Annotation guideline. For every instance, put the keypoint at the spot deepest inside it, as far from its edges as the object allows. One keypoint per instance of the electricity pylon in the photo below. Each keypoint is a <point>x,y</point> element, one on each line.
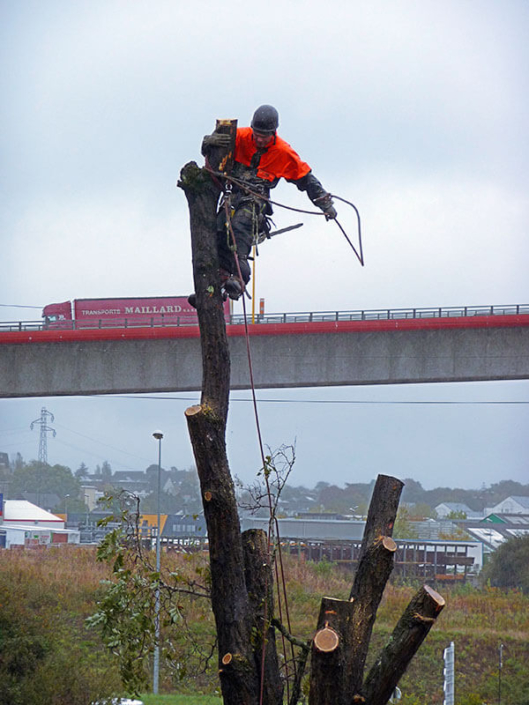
<point>44,429</point>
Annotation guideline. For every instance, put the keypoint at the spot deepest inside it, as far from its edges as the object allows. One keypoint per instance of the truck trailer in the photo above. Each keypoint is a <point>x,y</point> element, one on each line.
<point>122,313</point>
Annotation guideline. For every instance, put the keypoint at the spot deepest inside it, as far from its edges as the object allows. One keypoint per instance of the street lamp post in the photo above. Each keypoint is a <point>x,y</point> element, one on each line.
<point>86,501</point>
<point>158,435</point>
<point>66,498</point>
<point>500,668</point>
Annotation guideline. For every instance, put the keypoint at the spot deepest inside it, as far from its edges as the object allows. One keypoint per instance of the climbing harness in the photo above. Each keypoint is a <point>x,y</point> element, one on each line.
<point>358,250</point>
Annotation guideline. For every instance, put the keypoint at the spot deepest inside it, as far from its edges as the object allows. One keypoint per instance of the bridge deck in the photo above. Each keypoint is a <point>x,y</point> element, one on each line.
<point>293,354</point>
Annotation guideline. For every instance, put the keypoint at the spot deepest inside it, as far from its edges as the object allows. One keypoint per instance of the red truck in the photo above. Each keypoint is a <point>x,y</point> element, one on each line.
<point>123,313</point>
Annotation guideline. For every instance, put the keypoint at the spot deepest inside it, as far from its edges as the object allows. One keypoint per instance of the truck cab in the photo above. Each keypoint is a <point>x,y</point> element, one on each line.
<point>58,315</point>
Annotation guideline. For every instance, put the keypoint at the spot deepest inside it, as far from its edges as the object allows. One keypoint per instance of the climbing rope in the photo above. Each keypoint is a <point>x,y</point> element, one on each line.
<point>273,524</point>
<point>360,252</point>
<point>227,208</point>
<point>241,184</point>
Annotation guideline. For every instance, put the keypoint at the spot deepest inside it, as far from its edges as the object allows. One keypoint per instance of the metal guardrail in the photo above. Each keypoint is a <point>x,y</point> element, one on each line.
<point>100,324</point>
<point>389,314</point>
<point>298,317</point>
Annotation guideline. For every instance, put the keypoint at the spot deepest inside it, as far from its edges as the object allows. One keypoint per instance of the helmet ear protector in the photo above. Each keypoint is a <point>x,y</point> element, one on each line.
<point>265,120</point>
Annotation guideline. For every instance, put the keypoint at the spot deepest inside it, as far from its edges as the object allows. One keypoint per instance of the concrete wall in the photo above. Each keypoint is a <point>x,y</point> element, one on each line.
<point>296,360</point>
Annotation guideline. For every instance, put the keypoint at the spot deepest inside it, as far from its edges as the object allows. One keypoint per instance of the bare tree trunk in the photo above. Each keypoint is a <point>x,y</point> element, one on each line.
<point>375,564</point>
<point>236,615</point>
<point>259,582</point>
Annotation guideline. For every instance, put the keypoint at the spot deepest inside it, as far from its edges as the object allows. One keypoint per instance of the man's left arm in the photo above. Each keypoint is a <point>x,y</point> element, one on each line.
<point>317,194</point>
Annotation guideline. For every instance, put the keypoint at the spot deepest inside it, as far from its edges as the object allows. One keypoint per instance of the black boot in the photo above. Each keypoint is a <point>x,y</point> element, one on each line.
<point>192,298</point>
<point>233,288</point>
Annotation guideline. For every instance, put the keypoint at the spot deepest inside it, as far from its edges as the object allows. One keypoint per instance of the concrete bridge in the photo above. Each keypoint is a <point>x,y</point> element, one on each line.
<point>309,350</point>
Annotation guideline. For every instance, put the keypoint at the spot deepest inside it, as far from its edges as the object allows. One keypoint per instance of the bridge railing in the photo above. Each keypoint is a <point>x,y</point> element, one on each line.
<point>21,325</point>
<point>387,314</point>
<point>297,317</point>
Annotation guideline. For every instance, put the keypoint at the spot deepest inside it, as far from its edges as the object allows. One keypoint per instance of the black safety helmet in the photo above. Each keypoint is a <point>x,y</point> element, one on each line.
<point>265,120</point>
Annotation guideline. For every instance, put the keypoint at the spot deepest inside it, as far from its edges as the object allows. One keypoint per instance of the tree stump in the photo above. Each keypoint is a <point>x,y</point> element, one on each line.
<point>344,628</point>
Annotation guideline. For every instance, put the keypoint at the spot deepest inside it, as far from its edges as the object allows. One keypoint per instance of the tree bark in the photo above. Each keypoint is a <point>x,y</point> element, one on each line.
<point>337,675</point>
<point>375,564</point>
<point>229,598</point>
<point>259,582</point>
<point>207,430</point>
<point>221,159</point>
<point>202,196</point>
<point>408,635</point>
<point>329,651</point>
<point>241,613</point>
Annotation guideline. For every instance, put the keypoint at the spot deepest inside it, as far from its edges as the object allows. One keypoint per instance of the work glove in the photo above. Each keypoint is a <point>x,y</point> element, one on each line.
<point>215,140</point>
<point>326,204</point>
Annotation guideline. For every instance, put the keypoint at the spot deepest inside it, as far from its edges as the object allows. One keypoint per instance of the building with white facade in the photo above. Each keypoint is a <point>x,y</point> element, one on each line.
<point>20,511</point>
<point>26,525</point>
<point>510,505</point>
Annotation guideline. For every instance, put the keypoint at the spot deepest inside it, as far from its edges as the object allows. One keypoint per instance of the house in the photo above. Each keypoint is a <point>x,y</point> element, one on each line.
<point>91,496</point>
<point>446,508</point>
<point>511,505</point>
<point>131,480</point>
<point>495,529</point>
<point>28,536</point>
<point>183,525</point>
<point>27,525</point>
<point>21,512</point>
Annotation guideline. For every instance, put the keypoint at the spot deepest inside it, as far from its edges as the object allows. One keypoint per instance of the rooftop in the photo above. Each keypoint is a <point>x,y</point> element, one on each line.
<point>23,511</point>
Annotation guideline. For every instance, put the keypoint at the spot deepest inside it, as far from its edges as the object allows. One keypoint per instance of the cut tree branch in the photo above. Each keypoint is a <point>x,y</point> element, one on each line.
<point>408,635</point>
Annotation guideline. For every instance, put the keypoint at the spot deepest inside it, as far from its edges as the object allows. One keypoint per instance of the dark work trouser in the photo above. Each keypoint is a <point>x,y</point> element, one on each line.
<point>245,219</point>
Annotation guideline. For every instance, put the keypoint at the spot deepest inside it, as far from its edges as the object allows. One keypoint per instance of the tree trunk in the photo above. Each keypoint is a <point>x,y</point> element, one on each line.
<point>238,617</point>
<point>337,676</point>
<point>259,582</point>
<point>207,429</point>
<point>375,564</point>
<point>229,598</point>
<point>202,195</point>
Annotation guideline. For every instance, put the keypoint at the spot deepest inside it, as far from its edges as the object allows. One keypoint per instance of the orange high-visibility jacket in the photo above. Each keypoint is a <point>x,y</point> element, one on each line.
<point>278,161</point>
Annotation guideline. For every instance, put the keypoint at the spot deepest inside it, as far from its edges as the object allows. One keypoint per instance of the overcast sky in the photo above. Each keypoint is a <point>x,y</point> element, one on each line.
<point>416,111</point>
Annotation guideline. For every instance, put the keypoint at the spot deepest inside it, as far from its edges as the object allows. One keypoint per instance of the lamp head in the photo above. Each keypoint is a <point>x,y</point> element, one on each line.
<point>158,435</point>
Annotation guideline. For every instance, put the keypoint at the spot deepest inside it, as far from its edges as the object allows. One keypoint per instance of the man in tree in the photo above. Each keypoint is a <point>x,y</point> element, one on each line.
<point>261,159</point>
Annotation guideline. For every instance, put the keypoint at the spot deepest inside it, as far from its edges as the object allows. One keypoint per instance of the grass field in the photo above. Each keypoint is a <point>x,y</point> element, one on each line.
<point>45,597</point>
<point>180,700</point>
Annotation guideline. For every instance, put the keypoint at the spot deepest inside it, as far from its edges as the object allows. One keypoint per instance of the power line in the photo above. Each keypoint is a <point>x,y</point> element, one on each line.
<point>107,445</point>
<point>20,306</point>
<point>114,463</point>
<point>330,401</point>
<point>20,429</point>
